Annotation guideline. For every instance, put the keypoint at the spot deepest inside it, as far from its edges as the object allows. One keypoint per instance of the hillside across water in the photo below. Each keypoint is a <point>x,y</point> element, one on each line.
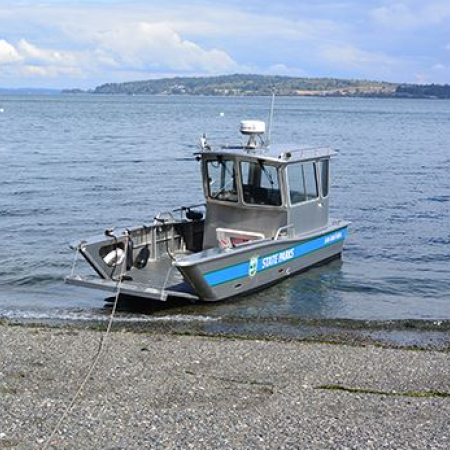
<point>249,85</point>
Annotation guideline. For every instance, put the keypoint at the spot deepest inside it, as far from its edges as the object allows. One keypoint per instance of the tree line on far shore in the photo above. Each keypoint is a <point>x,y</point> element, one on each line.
<point>247,85</point>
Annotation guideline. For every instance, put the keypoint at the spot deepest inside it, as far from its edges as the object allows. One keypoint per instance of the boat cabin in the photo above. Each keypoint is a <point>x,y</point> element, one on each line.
<point>262,193</point>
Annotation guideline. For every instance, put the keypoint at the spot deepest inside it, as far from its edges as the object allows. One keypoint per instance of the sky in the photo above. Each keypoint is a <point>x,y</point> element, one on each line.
<point>69,44</point>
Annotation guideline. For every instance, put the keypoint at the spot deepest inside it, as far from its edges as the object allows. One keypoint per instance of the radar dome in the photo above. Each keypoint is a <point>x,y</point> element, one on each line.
<point>252,127</point>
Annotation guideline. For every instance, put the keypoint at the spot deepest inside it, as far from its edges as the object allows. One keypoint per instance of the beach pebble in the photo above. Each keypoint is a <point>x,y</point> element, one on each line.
<point>196,392</point>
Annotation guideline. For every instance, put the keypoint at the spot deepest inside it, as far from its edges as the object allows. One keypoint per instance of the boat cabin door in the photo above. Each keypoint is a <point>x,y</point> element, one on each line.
<point>308,189</point>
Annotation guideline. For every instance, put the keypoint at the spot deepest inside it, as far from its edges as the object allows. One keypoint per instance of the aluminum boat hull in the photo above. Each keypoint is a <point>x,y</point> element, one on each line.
<point>217,274</point>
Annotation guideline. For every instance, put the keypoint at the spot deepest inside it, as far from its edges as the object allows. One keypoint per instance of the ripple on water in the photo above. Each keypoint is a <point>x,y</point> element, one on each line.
<point>439,198</point>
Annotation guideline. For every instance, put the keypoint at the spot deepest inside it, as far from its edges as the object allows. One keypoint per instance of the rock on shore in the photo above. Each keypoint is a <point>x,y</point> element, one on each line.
<point>180,392</point>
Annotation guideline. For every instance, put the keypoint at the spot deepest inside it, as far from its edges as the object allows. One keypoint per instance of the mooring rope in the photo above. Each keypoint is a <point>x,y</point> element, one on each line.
<point>163,290</point>
<point>96,359</point>
<point>75,262</point>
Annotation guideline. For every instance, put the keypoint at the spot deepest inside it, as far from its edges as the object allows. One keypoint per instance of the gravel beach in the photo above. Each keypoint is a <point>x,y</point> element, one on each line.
<point>179,392</point>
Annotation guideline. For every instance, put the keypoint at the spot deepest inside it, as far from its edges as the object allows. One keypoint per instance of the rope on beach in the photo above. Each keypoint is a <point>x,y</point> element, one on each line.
<point>95,361</point>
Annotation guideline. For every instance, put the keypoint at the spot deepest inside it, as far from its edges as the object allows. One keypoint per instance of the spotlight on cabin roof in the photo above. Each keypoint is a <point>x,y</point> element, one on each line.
<point>285,155</point>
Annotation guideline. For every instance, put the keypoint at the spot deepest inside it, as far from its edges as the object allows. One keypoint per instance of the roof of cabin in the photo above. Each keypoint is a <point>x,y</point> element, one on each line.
<point>284,154</point>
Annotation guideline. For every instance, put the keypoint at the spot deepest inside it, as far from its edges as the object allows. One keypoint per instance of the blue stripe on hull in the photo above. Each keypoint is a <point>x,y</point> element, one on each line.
<point>261,263</point>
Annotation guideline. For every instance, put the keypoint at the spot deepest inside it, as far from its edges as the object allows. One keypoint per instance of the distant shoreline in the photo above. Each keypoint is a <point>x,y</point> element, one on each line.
<point>381,97</point>
<point>264,85</point>
<point>68,92</point>
<point>239,85</point>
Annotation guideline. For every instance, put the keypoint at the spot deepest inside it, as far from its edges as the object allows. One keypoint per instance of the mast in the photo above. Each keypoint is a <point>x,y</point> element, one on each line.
<point>269,128</point>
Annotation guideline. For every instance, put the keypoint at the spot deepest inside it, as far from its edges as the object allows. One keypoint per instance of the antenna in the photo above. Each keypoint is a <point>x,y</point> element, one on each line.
<point>270,117</point>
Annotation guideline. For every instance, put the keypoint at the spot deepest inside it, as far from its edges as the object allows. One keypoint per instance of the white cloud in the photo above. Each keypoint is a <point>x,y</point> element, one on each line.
<point>373,65</point>
<point>157,46</point>
<point>191,19</point>
<point>50,71</point>
<point>26,59</point>
<point>98,41</point>
<point>404,16</point>
<point>398,14</point>
<point>438,66</point>
<point>32,53</point>
<point>351,55</point>
<point>283,69</point>
<point>8,54</point>
<point>136,47</point>
<point>442,70</point>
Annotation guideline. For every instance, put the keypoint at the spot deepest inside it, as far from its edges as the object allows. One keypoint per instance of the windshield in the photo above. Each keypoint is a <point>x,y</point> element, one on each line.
<point>260,184</point>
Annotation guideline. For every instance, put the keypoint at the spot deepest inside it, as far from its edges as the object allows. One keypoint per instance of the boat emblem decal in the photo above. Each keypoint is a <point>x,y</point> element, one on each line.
<point>253,266</point>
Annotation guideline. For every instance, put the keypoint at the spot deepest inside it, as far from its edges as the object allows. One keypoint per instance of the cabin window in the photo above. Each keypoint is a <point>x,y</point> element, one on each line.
<point>324,167</point>
<point>222,180</point>
<point>260,184</point>
<point>302,182</point>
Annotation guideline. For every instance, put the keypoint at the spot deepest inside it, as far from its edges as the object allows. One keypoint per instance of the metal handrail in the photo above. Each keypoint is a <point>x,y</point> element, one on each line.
<point>184,208</point>
<point>281,229</point>
<point>160,219</point>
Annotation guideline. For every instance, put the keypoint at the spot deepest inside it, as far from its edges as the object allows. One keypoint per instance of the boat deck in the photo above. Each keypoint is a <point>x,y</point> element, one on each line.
<point>157,280</point>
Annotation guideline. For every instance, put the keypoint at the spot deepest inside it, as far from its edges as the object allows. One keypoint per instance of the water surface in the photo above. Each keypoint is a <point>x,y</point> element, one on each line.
<point>74,165</point>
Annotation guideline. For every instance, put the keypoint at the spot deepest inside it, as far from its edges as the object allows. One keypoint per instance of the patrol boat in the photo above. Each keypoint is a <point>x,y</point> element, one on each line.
<point>266,217</point>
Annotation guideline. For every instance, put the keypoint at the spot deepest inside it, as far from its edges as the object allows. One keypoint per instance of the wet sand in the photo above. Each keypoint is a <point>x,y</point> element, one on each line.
<point>165,391</point>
